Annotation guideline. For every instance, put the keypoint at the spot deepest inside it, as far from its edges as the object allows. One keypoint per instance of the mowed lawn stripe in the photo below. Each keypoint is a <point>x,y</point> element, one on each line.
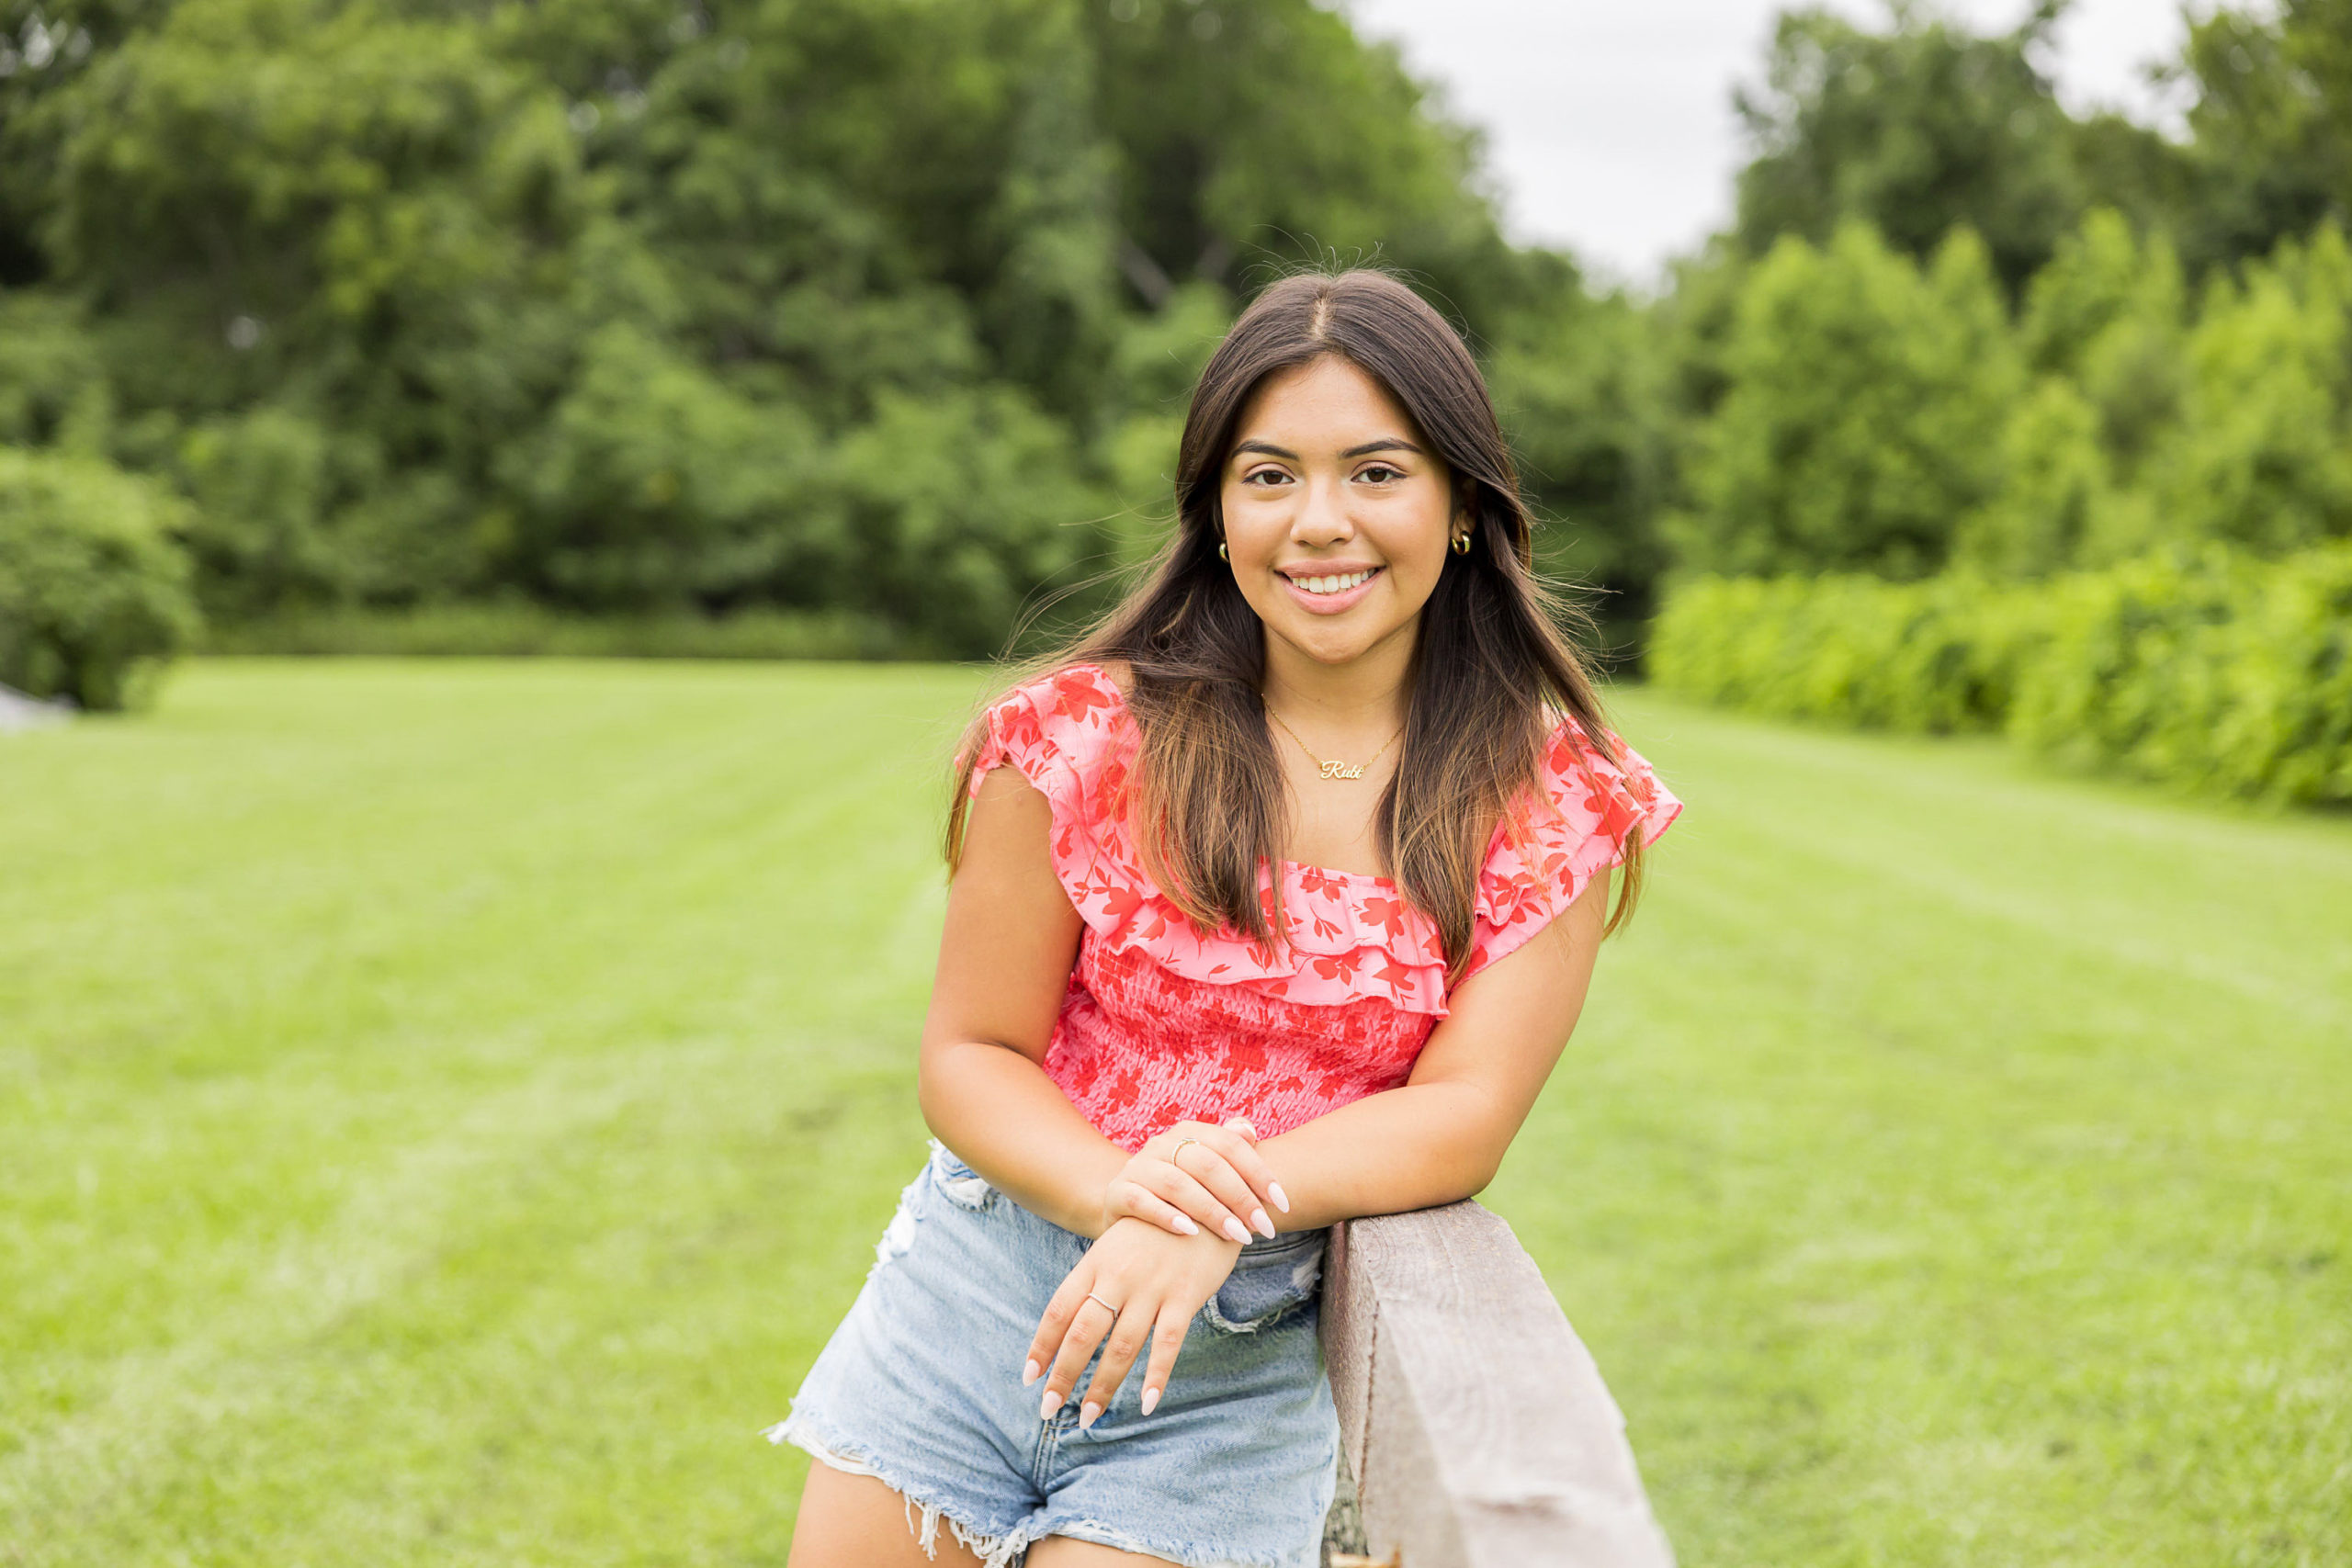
<point>1948,1171</point>
<point>553,920</point>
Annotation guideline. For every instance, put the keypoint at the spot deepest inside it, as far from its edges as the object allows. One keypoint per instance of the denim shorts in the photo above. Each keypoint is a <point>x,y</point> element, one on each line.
<point>921,1387</point>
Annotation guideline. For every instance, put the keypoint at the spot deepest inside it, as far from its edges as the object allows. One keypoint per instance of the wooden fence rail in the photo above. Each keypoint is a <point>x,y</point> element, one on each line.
<point>1474,1429</point>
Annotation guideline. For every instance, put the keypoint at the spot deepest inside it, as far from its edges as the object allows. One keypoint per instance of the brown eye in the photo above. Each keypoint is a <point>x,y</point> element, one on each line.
<point>1379,474</point>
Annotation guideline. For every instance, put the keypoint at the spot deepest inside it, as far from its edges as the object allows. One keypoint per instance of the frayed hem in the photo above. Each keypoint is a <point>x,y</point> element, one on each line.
<point>1100,1534</point>
<point>1005,1551</point>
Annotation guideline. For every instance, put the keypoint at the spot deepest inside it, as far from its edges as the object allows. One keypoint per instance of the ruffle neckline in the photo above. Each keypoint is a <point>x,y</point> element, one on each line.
<point>1597,805</point>
<point>1351,934</point>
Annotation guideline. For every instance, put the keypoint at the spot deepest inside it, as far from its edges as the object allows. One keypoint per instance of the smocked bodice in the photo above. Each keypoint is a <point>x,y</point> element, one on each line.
<point>1163,1021</point>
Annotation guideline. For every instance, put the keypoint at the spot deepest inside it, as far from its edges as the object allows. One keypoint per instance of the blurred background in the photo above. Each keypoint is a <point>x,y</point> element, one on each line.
<point>446,1097</point>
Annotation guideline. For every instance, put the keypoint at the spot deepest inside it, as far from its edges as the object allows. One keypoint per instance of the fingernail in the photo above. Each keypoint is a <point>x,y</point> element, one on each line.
<point>1282,1200</point>
<point>1030,1371</point>
<point>1151,1398</point>
<point>1047,1406</point>
<point>1086,1413</point>
<point>1185,1225</point>
<point>1265,1226</point>
<point>1233,1228</point>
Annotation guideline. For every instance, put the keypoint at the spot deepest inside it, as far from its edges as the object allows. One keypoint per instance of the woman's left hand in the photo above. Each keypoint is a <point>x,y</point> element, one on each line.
<point>1135,1283</point>
<point>1225,1187</point>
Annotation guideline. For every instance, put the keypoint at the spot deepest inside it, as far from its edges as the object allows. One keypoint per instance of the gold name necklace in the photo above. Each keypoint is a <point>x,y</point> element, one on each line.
<point>1331,767</point>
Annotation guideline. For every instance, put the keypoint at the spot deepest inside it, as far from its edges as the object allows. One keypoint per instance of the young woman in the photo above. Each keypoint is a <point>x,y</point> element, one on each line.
<point>1272,902</point>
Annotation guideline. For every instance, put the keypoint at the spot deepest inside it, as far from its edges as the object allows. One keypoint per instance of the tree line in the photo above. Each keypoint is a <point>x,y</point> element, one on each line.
<point>882,312</point>
<point>2072,463</point>
<point>619,306</point>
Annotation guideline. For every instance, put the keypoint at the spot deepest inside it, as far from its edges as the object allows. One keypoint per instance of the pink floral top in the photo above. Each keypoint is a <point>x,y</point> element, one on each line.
<point>1163,1021</point>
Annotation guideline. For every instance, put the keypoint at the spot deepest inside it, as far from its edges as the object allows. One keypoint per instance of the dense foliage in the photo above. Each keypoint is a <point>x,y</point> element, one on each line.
<point>1883,416</point>
<point>873,306</point>
<point>1863,408</point>
<point>1923,127</point>
<point>93,592</point>
<point>2210,669</point>
<point>2115,519</point>
<point>1955,325</point>
<point>1934,657</point>
<point>879,314</point>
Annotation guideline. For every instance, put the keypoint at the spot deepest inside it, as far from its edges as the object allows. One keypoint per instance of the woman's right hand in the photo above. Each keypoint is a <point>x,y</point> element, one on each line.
<point>1135,1286</point>
<point>1196,1176</point>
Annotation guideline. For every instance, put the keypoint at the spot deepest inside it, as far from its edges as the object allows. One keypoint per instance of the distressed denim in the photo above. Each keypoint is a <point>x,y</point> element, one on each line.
<point>921,1387</point>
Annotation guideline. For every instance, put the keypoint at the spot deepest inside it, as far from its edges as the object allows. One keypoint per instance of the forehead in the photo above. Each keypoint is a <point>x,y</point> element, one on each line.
<point>1326,402</point>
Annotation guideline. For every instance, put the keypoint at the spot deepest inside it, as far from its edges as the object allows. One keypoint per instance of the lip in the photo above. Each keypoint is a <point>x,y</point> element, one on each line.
<point>1332,603</point>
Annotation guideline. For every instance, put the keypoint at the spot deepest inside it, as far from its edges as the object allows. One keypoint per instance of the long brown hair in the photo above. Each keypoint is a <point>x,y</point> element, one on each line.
<point>1490,671</point>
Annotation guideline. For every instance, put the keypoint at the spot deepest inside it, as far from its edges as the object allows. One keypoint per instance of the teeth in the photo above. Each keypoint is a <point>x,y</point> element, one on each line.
<point>1332,584</point>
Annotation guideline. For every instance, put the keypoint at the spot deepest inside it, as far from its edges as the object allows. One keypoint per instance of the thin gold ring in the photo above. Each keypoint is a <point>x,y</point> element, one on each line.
<point>1180,1148</point>
<point>1098,1301</point>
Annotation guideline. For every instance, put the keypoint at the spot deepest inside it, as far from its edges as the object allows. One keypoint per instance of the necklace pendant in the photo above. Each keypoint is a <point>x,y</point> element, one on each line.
<point>1341,771</point>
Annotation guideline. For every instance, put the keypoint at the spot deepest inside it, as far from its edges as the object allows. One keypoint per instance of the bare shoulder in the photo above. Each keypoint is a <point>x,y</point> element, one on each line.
<point>1007,783</point>
<point>1121,674</point>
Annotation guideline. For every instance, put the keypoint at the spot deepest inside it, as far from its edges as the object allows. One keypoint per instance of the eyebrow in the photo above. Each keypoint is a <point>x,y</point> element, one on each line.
<point>1385,443</point>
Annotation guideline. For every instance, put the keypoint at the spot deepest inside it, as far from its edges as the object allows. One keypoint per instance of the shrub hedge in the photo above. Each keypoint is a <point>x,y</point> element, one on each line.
<point>2207,669</point>
<point>522,629</point>
<point>94,589</point>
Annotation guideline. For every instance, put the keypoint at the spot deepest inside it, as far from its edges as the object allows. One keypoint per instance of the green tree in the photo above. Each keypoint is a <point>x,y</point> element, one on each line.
<point>957,508</point>
<point>2270,123</point>
<point>2056,490</point>
<point>265,482</point>
<point>2103,324</point>
<point>94,592</point>
<point>1268,131</point>
<point>1581,388</point>
<point>1865,404</point>
<point>2109,312</point>
<point>2263,458</point>
<point>624,304</point>
<point>1925,126</point>
<point>655,486</point>
<point>53,385</point>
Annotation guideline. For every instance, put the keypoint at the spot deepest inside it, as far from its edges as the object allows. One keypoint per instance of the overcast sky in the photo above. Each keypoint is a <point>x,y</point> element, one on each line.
<point>1608,122</point>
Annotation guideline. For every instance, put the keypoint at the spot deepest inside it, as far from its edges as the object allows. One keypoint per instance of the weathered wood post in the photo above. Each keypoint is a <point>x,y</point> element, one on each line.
<point>1473,1425</point>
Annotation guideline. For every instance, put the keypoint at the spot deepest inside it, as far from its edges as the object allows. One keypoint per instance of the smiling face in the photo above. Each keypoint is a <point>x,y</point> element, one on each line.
<point>1338,512</point>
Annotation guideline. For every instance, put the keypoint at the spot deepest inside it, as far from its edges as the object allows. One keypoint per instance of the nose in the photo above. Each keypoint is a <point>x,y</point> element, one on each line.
<point>1323,515</point>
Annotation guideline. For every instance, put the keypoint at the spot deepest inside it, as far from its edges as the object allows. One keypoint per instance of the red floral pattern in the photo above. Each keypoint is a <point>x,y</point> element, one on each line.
<point>1163,1020</point>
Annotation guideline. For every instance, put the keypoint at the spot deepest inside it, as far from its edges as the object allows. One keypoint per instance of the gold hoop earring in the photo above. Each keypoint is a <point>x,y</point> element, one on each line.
<point>1220,551</point>
<point>1461,544</point>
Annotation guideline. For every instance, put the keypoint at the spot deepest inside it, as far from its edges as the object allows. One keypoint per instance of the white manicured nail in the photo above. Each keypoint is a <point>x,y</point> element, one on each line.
<point>1151,1398</point>
<point>1233,1228</point>
<point>1265,1226</point>
<point>1185,1225</point>
<point>1031,1372</point>
<point>1086,1413</point>
<point>1047,1406</point>
<point>1282,1200</point>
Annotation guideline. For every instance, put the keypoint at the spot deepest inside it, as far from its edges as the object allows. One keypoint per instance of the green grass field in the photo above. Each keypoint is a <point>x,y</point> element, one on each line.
<point>443,1106</point>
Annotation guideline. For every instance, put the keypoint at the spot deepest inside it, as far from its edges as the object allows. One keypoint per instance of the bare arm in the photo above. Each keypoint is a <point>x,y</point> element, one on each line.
<point>1004,962</point>
<point>1442,1135</point>
<point>1004,965</point>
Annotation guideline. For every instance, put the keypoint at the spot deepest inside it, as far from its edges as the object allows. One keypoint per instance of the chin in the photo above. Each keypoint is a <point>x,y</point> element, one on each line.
<point>1334,650</point>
